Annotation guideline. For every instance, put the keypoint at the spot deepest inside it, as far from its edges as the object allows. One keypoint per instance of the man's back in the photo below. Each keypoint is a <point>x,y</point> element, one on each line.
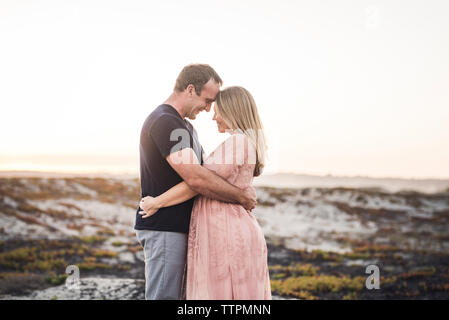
<point>156,175</point>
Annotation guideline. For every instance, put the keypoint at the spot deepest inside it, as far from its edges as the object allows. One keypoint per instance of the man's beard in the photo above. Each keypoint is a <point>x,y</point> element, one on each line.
<point>193,114</point>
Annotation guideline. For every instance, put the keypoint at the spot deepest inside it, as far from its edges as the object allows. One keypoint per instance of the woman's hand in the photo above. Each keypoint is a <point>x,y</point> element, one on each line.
<point>149,205</point>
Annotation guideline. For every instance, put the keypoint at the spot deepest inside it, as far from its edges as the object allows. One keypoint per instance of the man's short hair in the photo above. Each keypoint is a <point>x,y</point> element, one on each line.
<point>197,75</point>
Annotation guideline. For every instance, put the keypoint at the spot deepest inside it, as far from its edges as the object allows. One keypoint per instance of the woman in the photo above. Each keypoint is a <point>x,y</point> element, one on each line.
<point>227,253</point>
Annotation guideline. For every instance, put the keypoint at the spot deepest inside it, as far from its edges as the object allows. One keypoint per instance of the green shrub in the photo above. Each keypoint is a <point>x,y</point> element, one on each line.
<point>56,280</point>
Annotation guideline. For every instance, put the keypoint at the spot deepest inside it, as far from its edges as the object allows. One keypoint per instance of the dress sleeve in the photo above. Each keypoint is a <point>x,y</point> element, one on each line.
<point>246,151</point>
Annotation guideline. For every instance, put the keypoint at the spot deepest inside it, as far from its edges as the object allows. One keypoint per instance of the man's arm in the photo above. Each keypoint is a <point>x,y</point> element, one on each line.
<point>208,183</point>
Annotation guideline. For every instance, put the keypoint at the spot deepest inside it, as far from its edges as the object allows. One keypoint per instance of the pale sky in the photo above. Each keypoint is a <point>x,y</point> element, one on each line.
<point>343,87</point>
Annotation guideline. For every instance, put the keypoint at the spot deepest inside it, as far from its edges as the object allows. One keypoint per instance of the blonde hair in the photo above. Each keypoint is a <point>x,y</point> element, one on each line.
<point>239,111</point>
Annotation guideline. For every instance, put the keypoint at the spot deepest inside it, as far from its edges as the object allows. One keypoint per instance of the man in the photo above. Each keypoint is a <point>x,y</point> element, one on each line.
<point>164,234</point>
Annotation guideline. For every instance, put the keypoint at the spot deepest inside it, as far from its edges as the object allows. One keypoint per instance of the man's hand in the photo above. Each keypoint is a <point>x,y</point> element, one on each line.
<point>249,198</point>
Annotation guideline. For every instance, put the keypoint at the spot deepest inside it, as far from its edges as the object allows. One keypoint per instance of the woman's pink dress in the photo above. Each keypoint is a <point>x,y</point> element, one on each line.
<point>227,252</point>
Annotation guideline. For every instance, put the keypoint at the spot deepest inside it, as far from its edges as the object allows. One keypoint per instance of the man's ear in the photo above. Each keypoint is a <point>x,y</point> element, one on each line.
<point>190,89</point>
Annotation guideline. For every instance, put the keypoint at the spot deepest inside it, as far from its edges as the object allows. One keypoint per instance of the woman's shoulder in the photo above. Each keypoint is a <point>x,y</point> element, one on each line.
<point>241,140</point>
<point>234,143</point>
<point>238,137</point>
<point>241,146</point>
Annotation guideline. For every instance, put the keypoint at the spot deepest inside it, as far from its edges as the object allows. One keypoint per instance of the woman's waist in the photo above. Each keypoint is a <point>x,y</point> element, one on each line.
<point>206,205</point>
<point>200,198</point>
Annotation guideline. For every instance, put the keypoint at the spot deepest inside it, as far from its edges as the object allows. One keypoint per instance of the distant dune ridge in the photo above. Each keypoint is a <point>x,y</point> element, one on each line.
<point>291,180</point>
<point>285,180</point>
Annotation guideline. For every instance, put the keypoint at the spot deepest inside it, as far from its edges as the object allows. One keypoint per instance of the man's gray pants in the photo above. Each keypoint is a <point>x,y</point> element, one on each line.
<point>165,263</point>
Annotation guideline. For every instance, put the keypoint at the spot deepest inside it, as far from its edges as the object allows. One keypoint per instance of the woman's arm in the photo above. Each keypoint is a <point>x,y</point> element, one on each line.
<point>177,194</point>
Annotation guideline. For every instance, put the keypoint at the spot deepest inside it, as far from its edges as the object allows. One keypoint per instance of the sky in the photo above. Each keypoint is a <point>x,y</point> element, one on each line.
<point>342,87</point>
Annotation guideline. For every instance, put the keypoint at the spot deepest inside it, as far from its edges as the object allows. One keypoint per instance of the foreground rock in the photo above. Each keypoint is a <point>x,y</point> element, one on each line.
<point>90,289</point>
<point>95,289</point>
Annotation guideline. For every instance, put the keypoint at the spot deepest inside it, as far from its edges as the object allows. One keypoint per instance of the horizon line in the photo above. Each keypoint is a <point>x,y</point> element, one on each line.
<point>136,174</point>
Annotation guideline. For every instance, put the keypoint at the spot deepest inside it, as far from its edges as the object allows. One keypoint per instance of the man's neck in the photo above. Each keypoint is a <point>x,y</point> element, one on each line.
<point>175,101</point>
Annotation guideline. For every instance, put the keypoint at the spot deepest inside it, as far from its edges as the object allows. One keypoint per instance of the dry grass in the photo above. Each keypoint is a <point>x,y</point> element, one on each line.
<point>309,286</point>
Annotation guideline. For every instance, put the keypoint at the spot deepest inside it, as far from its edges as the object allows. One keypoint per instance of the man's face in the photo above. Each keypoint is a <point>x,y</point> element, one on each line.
<point>204,100</point>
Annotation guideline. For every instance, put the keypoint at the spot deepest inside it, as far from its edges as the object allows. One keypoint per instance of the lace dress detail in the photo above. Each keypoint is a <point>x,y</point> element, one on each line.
<point>227,252</point>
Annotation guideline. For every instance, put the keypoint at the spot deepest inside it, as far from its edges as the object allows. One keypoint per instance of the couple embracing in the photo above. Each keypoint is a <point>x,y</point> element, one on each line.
<point>194,222</point>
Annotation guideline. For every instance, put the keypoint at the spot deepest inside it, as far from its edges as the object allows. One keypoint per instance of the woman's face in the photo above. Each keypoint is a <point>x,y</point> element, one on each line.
<point>222,127</point>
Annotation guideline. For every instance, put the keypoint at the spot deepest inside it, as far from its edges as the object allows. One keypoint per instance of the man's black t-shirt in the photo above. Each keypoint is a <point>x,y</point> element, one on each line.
<point>163,132</point>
